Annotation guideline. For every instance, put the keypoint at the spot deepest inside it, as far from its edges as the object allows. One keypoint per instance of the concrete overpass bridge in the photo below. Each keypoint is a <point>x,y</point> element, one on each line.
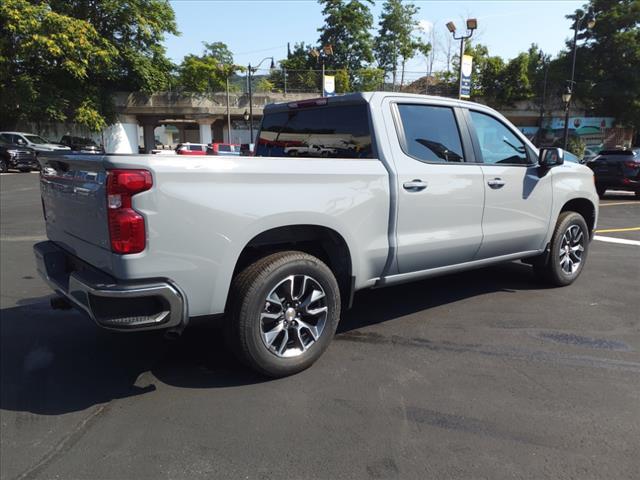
<point>169,118</point>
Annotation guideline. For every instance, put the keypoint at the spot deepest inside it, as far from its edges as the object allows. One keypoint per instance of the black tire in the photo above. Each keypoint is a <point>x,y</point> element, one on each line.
<point>601,191</point>
<point>25,170</point>
<point>245,327</point>
<point>4,168</point>
<point>638,194</point>
<point>552,270</point>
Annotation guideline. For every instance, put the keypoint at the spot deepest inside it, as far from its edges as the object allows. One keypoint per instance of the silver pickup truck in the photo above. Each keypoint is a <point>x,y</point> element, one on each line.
<point>413,186</point>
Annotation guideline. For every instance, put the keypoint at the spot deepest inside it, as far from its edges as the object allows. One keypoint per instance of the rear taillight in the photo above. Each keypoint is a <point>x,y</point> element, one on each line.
<point>126,226</point>
<point>632,164</point>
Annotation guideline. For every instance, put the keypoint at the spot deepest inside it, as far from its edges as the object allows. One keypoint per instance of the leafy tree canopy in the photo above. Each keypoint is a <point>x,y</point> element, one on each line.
<point>347,25</point>
<point>63,59</point>
<point>608,56</point>
<point>208,72</point>
<point>396,41</point>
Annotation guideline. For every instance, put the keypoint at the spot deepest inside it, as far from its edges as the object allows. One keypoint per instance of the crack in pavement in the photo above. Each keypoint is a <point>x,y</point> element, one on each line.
<point>64,445</point>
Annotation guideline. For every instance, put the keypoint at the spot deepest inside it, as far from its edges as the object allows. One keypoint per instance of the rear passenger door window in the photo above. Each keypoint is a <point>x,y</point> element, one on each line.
<point>498,144</point>
<point>430,133</point>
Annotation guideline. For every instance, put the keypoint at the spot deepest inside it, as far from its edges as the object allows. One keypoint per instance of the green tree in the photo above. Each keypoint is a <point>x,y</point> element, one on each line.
<point>396,42</point>
<point>608,56</point>
<point>208,72</point>
<point>347,25</point>
<point>515,80</point>
<point>264,85</point>
<point>62,60</point>
<point>299,67</point>
<point>370,79</point>
<point>342,81</point>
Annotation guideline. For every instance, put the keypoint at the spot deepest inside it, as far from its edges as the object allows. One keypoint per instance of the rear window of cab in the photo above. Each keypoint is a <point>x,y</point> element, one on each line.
<point>333,131</point>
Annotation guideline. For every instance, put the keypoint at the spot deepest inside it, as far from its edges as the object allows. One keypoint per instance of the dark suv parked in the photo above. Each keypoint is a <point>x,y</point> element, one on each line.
<point>17,156</point>
<point>617,169</point>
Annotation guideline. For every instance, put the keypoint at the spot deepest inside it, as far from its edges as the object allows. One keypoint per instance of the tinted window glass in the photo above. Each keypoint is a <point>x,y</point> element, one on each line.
<point>340,131</point>
<point>498,144</point>
<point>6,137</point>
<point>224,148</point>
<point>195,148</point>
<point>431,133</point>
<point>36,139</point>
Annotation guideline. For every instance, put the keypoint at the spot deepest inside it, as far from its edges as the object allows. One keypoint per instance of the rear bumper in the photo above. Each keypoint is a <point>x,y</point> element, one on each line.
<point>112,304</point>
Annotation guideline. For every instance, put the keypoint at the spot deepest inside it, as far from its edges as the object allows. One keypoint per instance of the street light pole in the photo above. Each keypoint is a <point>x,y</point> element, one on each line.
<point>249,73</point>
<point>576,26</point>
<point>250,107</point>
<point>322,55</point>
<point>545,65</point>
<point>228,112</point>
<point>472,24</point>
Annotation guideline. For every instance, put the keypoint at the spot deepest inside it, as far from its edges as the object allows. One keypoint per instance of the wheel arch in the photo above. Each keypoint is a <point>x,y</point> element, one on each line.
<point>320,241</point>
<point>584,207</point>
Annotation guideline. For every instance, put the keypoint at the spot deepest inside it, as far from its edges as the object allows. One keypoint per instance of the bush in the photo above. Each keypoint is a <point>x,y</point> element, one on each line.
<point>576,146</point>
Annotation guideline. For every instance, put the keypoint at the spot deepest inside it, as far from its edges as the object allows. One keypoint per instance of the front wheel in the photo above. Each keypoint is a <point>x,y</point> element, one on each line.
<point>4,168</point>
<point>568,251</point>
<point>284,312</point>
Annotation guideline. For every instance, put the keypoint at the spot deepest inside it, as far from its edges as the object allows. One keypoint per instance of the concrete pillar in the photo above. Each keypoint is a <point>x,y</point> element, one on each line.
<point>205,130</point>
<point>180,128</point>
<point>149,136</point>
<point>122,136</point>
<point>218,132</point>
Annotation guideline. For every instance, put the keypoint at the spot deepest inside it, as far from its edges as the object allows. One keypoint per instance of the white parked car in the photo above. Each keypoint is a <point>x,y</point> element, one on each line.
<point>31,140</point>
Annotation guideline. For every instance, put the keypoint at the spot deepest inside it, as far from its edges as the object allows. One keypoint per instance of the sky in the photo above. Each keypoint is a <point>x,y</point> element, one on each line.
<point>260,28</point>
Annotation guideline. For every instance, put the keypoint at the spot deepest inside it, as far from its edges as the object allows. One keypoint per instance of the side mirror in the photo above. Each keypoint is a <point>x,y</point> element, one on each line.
<point>21,142</point>
<point>550,157</point>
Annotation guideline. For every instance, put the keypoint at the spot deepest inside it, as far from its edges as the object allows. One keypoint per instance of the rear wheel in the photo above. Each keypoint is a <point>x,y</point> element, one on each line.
<point>4,168</point>
<point>568,251</point>
<point>284,313</point>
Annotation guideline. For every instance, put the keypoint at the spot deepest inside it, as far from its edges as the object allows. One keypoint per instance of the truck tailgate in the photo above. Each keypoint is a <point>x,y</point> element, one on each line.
<point>73,189</point>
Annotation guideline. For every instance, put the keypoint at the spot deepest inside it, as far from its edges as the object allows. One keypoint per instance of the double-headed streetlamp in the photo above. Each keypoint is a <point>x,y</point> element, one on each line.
<point>322,55</point>
<point>250,71</point>
<point>566,96</point>
<point>472,24</point>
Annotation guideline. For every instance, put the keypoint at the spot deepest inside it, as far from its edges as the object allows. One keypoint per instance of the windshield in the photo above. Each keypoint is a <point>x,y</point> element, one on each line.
<point>36,139</point>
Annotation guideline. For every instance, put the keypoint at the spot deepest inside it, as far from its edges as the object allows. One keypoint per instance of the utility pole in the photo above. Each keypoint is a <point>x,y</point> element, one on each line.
<point>250,71</point>
<point>250,107</point>
<point>228,113</point>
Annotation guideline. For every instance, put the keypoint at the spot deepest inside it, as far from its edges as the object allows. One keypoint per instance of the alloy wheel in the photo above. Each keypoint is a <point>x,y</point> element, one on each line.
<point>294,316</point>
<point>571,249</point>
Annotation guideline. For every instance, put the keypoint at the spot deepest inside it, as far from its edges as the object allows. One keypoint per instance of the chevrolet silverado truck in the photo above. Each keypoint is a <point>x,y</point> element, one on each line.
<point>276,246</point>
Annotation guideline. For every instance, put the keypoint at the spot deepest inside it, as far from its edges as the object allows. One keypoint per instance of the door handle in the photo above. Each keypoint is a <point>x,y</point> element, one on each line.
<point>414,185</point>
<point>496,183</point>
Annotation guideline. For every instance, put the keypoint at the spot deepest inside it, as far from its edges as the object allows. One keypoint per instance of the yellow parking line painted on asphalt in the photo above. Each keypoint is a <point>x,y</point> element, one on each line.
<point>619,203</point>
<point>614,230</point>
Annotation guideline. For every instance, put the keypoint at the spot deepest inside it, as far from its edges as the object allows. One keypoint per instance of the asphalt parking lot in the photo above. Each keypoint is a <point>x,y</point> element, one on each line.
<point>486,374</point>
